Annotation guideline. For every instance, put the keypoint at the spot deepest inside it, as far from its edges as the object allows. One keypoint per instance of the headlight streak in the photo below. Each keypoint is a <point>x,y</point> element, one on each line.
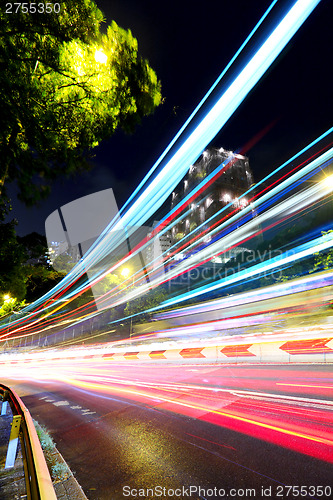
<point>186,245</point>
<point>316,193</point>
<point>296,202</point>
<point>175,402</point>
<point>292,287</point>
<point>141,246</point>
<point>222,110</point>
<point>176,247</point>
<point>299,252</point>
<point>287,184</point>
<point>206,253</point>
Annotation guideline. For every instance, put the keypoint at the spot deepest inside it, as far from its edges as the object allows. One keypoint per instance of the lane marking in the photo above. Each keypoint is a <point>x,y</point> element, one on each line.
<point>61,403</point>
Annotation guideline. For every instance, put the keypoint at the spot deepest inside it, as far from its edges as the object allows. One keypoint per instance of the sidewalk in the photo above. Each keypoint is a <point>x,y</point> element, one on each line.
<point>69,488</point>
<point>12,481</point>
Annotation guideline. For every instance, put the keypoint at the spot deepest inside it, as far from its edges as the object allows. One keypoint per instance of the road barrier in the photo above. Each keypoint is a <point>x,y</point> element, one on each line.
<point>37,477</point>
<point>313,350</point>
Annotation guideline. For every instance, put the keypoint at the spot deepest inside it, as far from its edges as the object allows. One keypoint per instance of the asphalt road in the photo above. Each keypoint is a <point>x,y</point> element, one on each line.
<point>154,431</point>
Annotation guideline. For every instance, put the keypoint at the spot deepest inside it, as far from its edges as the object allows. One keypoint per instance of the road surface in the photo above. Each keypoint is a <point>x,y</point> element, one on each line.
<point>188,431</point>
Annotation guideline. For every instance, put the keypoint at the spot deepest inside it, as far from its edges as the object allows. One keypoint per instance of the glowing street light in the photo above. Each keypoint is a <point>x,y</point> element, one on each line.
<point>328,182</point>
<point>100,57</point>
<point>7,298</point>
<point>125,272</point>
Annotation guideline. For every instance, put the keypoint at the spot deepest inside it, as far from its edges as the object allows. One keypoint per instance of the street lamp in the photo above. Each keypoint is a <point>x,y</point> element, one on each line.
<point>100,57</point>
<point>126,272</point>
<point>328,182</point>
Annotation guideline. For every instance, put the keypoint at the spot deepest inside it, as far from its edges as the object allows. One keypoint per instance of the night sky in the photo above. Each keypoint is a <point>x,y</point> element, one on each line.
<point>188,44</point>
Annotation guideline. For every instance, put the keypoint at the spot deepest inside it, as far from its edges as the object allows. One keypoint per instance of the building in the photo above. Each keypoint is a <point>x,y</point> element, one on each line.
<point>231,177</point>
<point>156,251</point>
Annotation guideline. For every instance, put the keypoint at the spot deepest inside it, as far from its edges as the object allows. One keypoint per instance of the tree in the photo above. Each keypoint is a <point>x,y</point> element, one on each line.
<point>63,263</point>
<point>12,256</point>
<point>8,305</point>
<point>35,246</point>
<point>324,260</point>
<point>60,96</point>
<point>39,280</point>
<point>141,304</point>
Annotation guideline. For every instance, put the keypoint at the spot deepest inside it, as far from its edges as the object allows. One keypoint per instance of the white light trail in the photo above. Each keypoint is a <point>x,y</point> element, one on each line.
<point>317,245</point>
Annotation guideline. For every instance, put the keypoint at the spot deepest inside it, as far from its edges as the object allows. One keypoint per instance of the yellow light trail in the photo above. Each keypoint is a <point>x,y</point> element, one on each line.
<point>92,386</point>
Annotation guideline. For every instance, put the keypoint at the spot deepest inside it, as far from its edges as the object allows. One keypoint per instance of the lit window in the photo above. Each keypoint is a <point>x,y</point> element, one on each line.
<point>202,214</point>
<point>226,197</point>
<point>209,201</point>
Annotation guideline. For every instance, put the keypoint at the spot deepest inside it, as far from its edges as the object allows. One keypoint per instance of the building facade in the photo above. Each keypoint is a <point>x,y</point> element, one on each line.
<point>231,177</point>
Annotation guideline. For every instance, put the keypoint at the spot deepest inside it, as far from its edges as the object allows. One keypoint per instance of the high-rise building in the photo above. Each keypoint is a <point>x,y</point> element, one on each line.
<point>232,179</point>
<point>158,249</point>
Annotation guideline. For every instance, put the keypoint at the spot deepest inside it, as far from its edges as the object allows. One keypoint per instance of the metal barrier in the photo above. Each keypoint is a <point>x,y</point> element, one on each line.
<point>37,477</point>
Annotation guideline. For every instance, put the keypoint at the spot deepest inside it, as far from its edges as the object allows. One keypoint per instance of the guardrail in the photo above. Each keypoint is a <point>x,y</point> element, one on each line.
<point>37,477</point>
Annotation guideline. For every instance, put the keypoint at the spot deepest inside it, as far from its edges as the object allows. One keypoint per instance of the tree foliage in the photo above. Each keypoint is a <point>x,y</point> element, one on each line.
<point>141,304</point>
<point>12,256</point>
<point>39,280</point>
<point>324,260</point>
<point>57,101</point>
<point>8,306</point>
<point>35,247</point>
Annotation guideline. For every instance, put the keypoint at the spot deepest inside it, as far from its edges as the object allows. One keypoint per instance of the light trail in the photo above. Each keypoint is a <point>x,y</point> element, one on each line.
<point>163,184</point>
<point>254,402</point>
<point>316,245</point>
<point>297,202</point>
<point>163,228</point>
<point>236,301</point>
<point>242,233</point>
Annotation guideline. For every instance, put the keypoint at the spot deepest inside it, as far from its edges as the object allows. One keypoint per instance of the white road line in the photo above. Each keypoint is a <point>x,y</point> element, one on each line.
<point>61,403</point>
